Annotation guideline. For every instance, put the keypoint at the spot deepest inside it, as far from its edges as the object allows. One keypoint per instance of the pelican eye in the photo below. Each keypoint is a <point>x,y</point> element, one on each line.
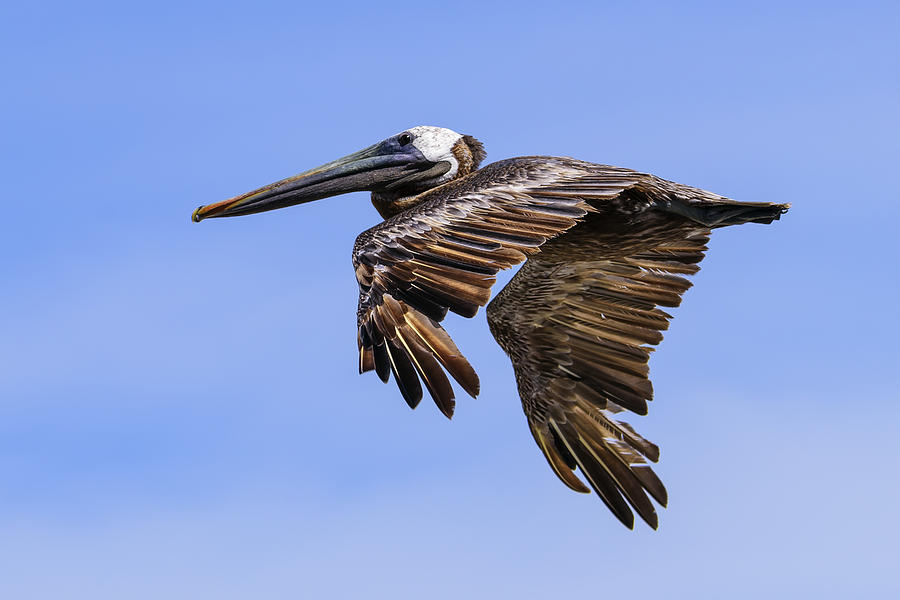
<point>404,139</point>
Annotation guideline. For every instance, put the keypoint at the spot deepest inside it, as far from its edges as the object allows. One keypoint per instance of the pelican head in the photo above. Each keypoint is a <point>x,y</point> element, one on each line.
<point>394,170</point>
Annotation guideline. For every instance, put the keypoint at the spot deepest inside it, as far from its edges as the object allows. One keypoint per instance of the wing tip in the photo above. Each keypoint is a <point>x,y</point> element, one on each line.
<point>622,483</point>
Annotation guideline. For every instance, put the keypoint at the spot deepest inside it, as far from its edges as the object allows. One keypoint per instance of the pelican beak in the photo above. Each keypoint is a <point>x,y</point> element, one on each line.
<point>376,167</point>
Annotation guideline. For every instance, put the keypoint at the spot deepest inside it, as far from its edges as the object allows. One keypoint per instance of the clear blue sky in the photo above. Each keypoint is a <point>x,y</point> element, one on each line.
<point>180,414</point>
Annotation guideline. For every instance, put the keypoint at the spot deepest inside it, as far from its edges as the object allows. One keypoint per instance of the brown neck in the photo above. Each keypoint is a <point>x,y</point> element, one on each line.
<point>389,205</point>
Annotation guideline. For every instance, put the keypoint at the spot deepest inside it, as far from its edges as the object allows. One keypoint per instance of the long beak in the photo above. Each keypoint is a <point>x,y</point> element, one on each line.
<point>372,168</point>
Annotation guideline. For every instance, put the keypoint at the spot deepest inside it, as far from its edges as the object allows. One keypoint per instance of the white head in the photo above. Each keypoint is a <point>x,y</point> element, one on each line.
<point>447,155</point>
<point>436,144</point>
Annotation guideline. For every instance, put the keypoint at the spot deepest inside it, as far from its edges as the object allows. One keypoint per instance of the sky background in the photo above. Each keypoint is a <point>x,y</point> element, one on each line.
<point>180,414</point>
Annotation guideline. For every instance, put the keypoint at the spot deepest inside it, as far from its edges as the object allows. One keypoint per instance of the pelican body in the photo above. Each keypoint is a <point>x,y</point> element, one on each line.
<point>604,248</point>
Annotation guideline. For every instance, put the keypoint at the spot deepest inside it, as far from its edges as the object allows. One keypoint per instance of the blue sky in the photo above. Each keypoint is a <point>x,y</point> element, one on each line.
<point>180,413</point>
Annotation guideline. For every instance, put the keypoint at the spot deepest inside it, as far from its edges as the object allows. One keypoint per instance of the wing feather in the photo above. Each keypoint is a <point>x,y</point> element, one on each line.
<point>579,334</point>
<point>443,255</point>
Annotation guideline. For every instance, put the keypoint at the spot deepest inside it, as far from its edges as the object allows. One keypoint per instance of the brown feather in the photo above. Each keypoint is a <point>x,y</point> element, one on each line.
<point>599,478</point>
<point>563,471</point>
<point>431,374</point>
<point>606,246</point>
<point>592,323</point>
<point>404,375</point>
<point>440,344</point>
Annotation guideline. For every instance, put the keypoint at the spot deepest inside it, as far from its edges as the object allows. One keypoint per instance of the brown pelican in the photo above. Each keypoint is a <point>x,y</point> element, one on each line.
<point>604,247</point>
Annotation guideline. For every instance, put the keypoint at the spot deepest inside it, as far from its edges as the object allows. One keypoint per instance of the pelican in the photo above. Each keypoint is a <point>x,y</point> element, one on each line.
<point>603,249</point>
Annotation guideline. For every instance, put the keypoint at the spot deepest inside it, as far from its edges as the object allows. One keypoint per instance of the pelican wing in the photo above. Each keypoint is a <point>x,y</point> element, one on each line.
<point>444,253</point>
<point>579,334</point>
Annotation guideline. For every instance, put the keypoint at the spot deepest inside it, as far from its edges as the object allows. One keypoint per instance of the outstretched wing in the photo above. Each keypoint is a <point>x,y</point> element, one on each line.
<point>579,334</point>
<point>444,254</point>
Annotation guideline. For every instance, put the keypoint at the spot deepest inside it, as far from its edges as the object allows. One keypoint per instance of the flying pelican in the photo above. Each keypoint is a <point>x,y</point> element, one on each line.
<point>604,247</point>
